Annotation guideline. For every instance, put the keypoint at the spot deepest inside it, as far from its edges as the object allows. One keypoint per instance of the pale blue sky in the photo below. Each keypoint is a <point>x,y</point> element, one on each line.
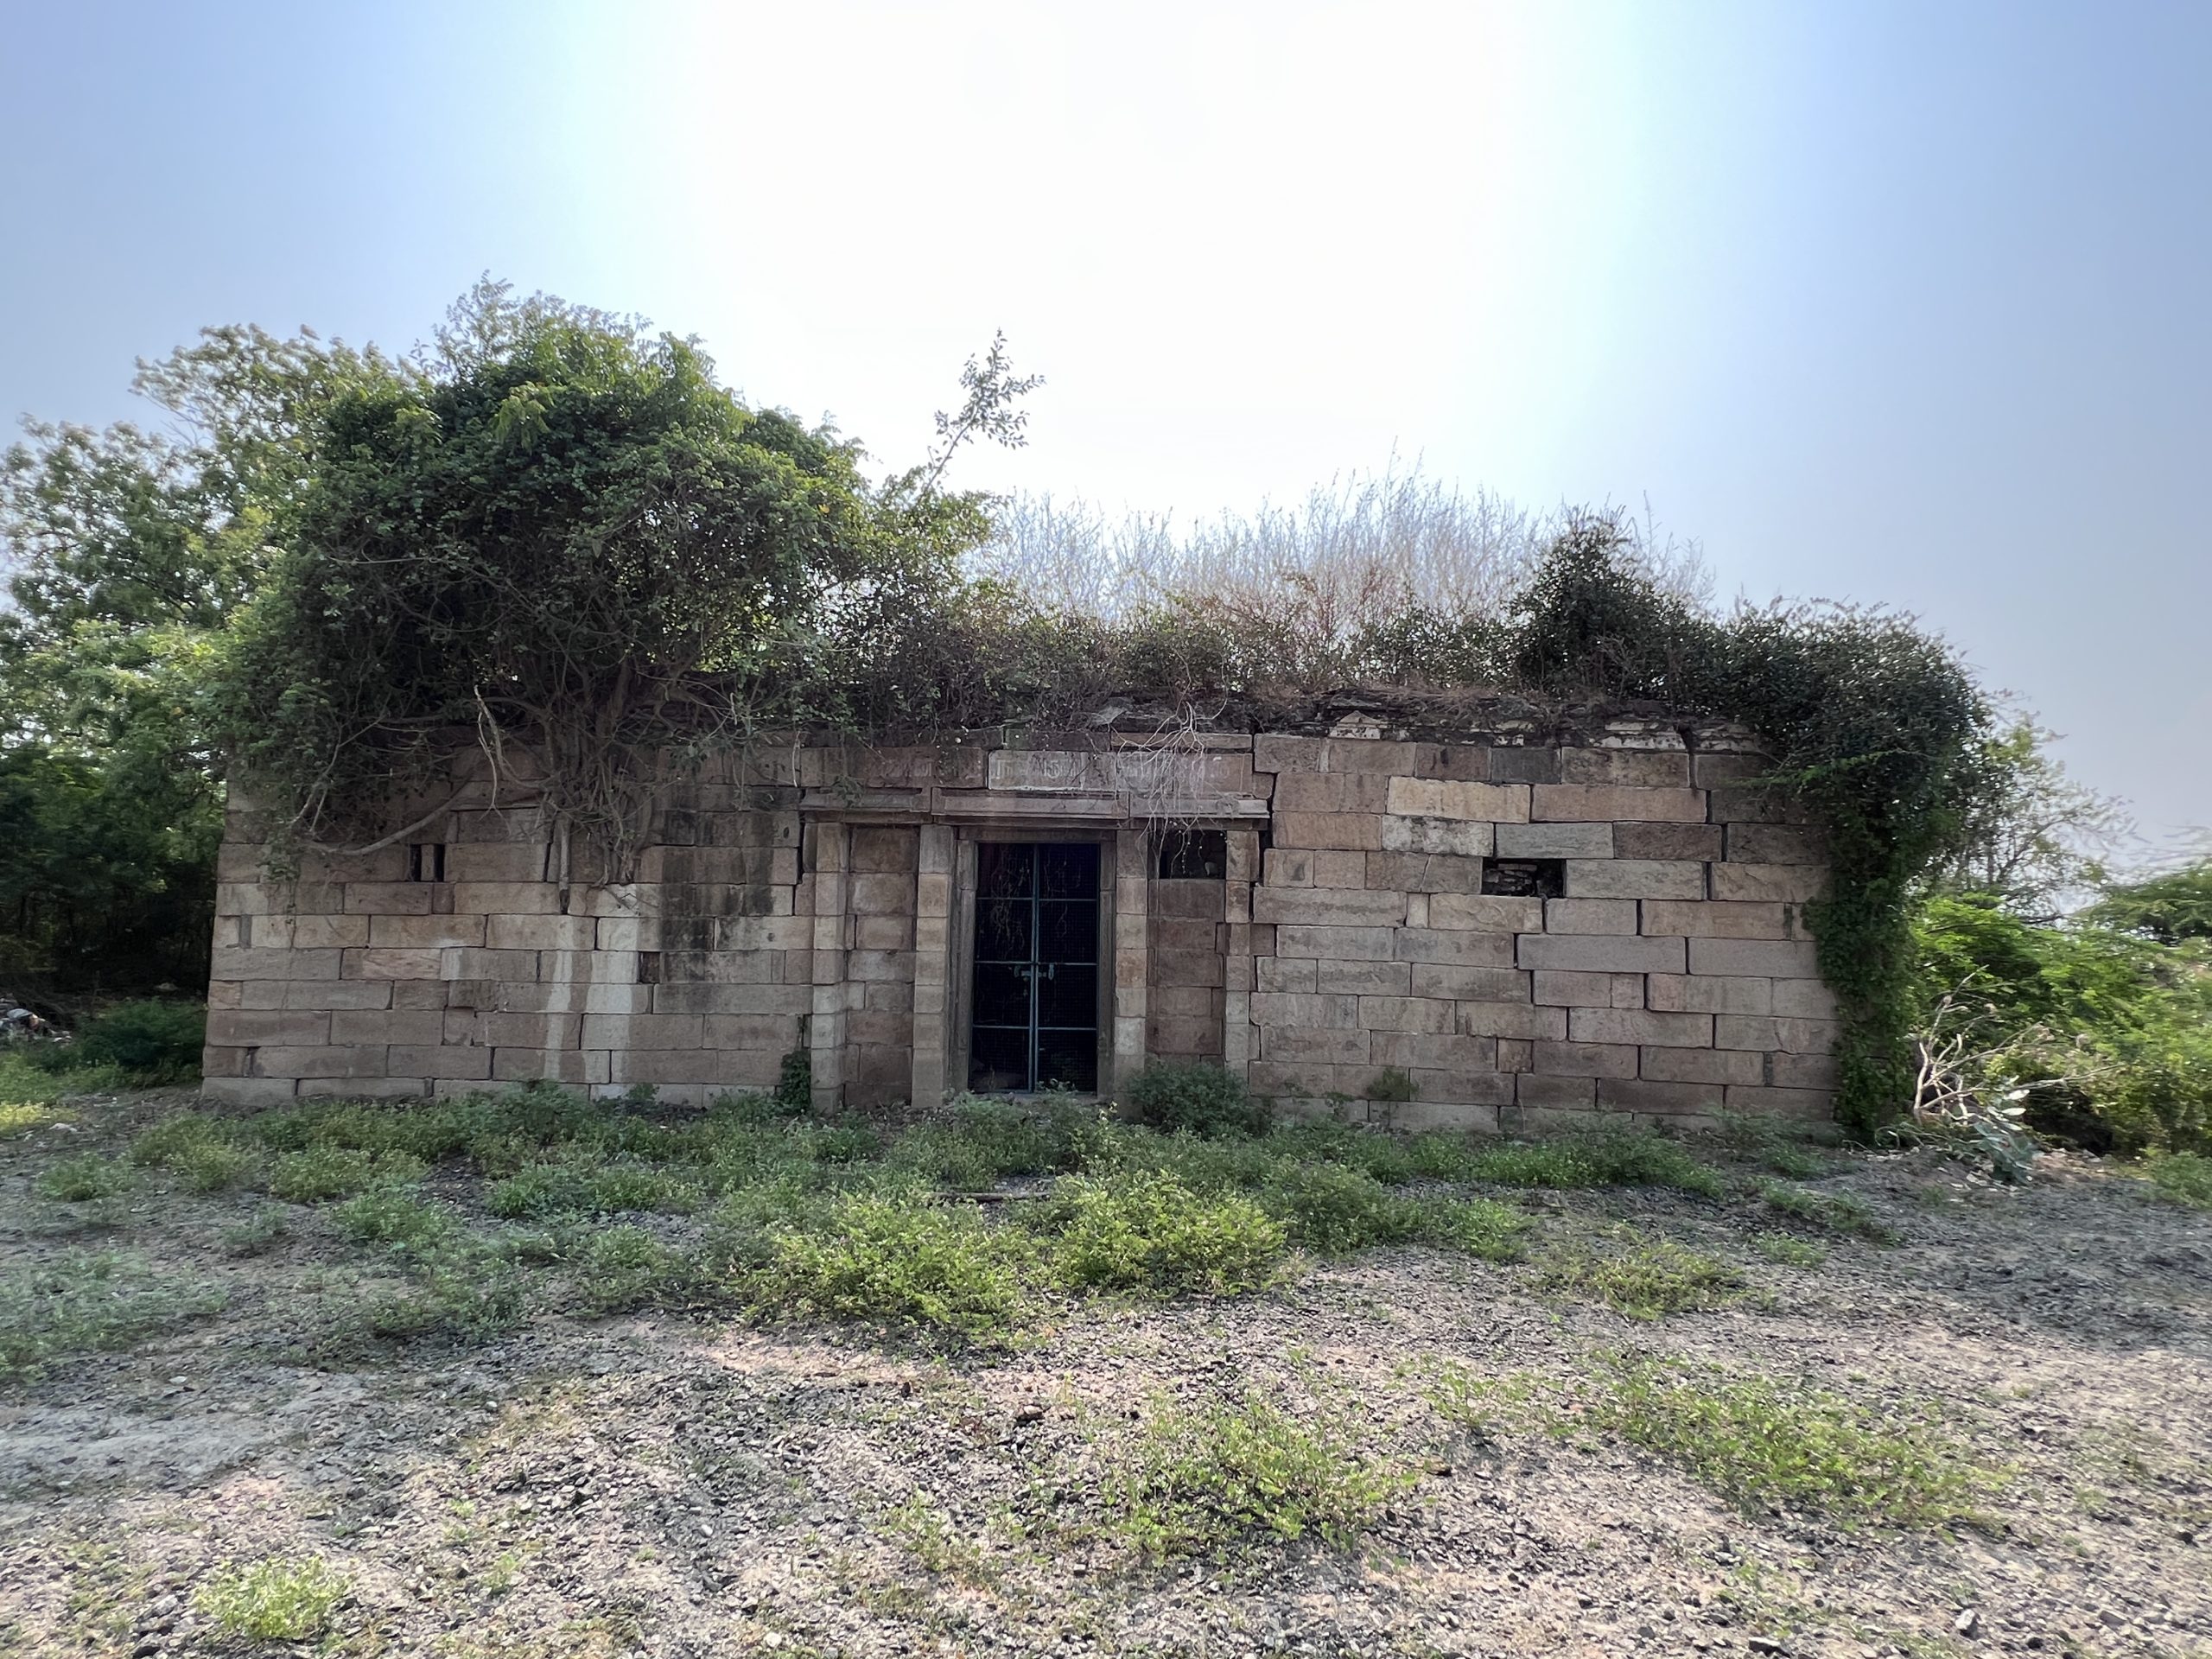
<point>1894,302</point>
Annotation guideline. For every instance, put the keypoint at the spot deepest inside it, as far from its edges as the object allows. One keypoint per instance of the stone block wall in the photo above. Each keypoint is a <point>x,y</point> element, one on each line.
<point>1525,921</point>
<point>1662,968</point>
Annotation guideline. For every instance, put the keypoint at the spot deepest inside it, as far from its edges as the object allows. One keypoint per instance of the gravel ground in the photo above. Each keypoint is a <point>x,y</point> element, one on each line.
<point>686,1485</point>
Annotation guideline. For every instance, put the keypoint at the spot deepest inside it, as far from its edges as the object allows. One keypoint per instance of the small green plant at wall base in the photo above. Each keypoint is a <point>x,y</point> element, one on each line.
<point>276,1600</point>
<point>1197,1478</point>
<point>1392,1084</point>
<point>83,1178</point>
<point>794,1093</point>
<point>1196,1096</point>
<point>1138,1231</point>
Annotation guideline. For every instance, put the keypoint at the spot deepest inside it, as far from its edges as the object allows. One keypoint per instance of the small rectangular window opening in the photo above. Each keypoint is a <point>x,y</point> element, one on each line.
<point>1524,878</point>
<point>1193,854</point>
<point>426,860</point>
<point>648,967</point>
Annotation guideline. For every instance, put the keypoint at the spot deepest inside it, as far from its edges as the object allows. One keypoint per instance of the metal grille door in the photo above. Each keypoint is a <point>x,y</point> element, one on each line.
<point>1036,986</point>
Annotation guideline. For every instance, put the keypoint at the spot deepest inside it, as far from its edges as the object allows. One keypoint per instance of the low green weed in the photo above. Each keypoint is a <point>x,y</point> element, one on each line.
<point>1834,1212</point>
<point>627,1268</point>
<point>1759,1442</point>
<point>83,1178</point>
<point>1196,1097</point>
<point>1193,1479</point>
<point>1617,1158</point>
<point>170,1138</point>
<point>543,1189</point>
<point>275,1600</point>
<point>1137,1231</point>
<point>1785,1251</point>
<point>461,1292</point>
<point>256,1233</point>
<point>1642,1277</point>
<point>83,1302</point>
<point>395,1215</point>
<point>215,1166</point>
<point>321,1173</point>
<point>894,1258</point>
<point>2185,1177</point>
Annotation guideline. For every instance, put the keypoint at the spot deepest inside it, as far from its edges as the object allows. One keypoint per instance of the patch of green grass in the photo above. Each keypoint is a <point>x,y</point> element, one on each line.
<point>1758,1441</point>
<point>1615,1158</point>
<point>1138,1231</point>
<point>458,1291</point>
<point>543,1189</point>
<point>1194,1479</point>
<point>82,1302</point>
<point>275,1600</point>
<point>625,1268</point>
<point>1834,1212</point>
<point>83,1178</point>
<point>320,1173</point>
<point>2185,1177</point>
<point>1642,1277</point>
<point>19,1117</point>
<point>395,1215</point>
<point>1785,1251</point>
<point>256,1233</point>
<point>216,1165</point>
<point>894,1258</point>
<point>161,1145</point>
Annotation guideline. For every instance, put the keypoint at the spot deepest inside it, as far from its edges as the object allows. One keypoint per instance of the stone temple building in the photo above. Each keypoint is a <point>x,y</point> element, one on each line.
<point>1503,920</point>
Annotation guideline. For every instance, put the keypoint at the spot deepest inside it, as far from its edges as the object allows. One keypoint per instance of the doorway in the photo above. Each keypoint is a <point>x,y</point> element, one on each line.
<point>1035,990</point>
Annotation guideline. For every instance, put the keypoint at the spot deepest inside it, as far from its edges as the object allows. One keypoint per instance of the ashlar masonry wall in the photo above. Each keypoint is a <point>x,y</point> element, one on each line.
<point>1536,918</point>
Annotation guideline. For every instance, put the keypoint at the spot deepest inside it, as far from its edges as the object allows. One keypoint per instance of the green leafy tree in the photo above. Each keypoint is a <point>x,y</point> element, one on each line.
<point>127,551</point>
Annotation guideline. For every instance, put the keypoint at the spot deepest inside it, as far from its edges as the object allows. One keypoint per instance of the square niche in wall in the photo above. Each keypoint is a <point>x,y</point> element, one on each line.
<point>1192,855</point>
<point>1524,878</point>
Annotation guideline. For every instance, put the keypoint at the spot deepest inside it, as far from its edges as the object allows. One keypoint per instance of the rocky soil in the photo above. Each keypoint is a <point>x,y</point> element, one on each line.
<point>689,1485</point>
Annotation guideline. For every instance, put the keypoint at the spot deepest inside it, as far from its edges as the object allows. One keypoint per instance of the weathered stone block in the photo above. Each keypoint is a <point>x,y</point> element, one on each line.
<point>1466,1056</point>
<point>1822,1072</point>
<point>458,1064</point>
<point>1454,946</point>
<point>1755,958</point>
<point>1588,916</point>
<point>1289,866</point>
<point>1637,1026</point>
<point>1375,754</point>
<point>1434,798</point>
<point>1806,999</point>
<point>1556,840</point>
<point>501,899</point>
<point>1728,769</point>
<point>1412,872</point>
<point>1347,831</point>
<point>1586,1059</point>
<point>1516,1055</point>
<point>1283,1008</point>
<point>1456,981</point>
<point>1352,944</point>
<point>1603,954</point>
<point>1626,878</point>
<point>1590,990</point>
<point>881,895</point>
<point>1277,753</point>
<point>520,966</point>
<point>363,1086</point>
<point>1768,883</point>
<point>779,1032</point>
<point>395,899</point>
<point>249,1092</point>
<point>646,1031</point>
<point>1745,804</point>
<point>1775,1035</point>
<point>1524,764</point>
<point>1521,1020</point>
<point>544,933</point>
<point>231,963</point>
<point>1450,836</point>
<point>1331,791</point>
<point>252,1027</point>
<point>366,1028</point>
<point>1299,1044</point>
<point>1606,803</point>
<point>1286,974</point>
<point>1408,1014</point>
<point>1549,1092</point>
<point>497,861</point>
<point>1365,978</point>
<point>1667,843</point>
<point>1466,763</point>
<point>1802,1105</point>
<point>1777,843</point>
<point>1329,906</point>
<point>1477,913</point>
<point>1709,994</point>
<point>1720,1065</point>
<point>1669,1099</point>
<point>318,1061</point>
<point>1633,768</point>
<point>1706,919</point>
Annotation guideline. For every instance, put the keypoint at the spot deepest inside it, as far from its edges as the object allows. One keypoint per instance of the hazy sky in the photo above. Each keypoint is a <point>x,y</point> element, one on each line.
<point>1910,303</point>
